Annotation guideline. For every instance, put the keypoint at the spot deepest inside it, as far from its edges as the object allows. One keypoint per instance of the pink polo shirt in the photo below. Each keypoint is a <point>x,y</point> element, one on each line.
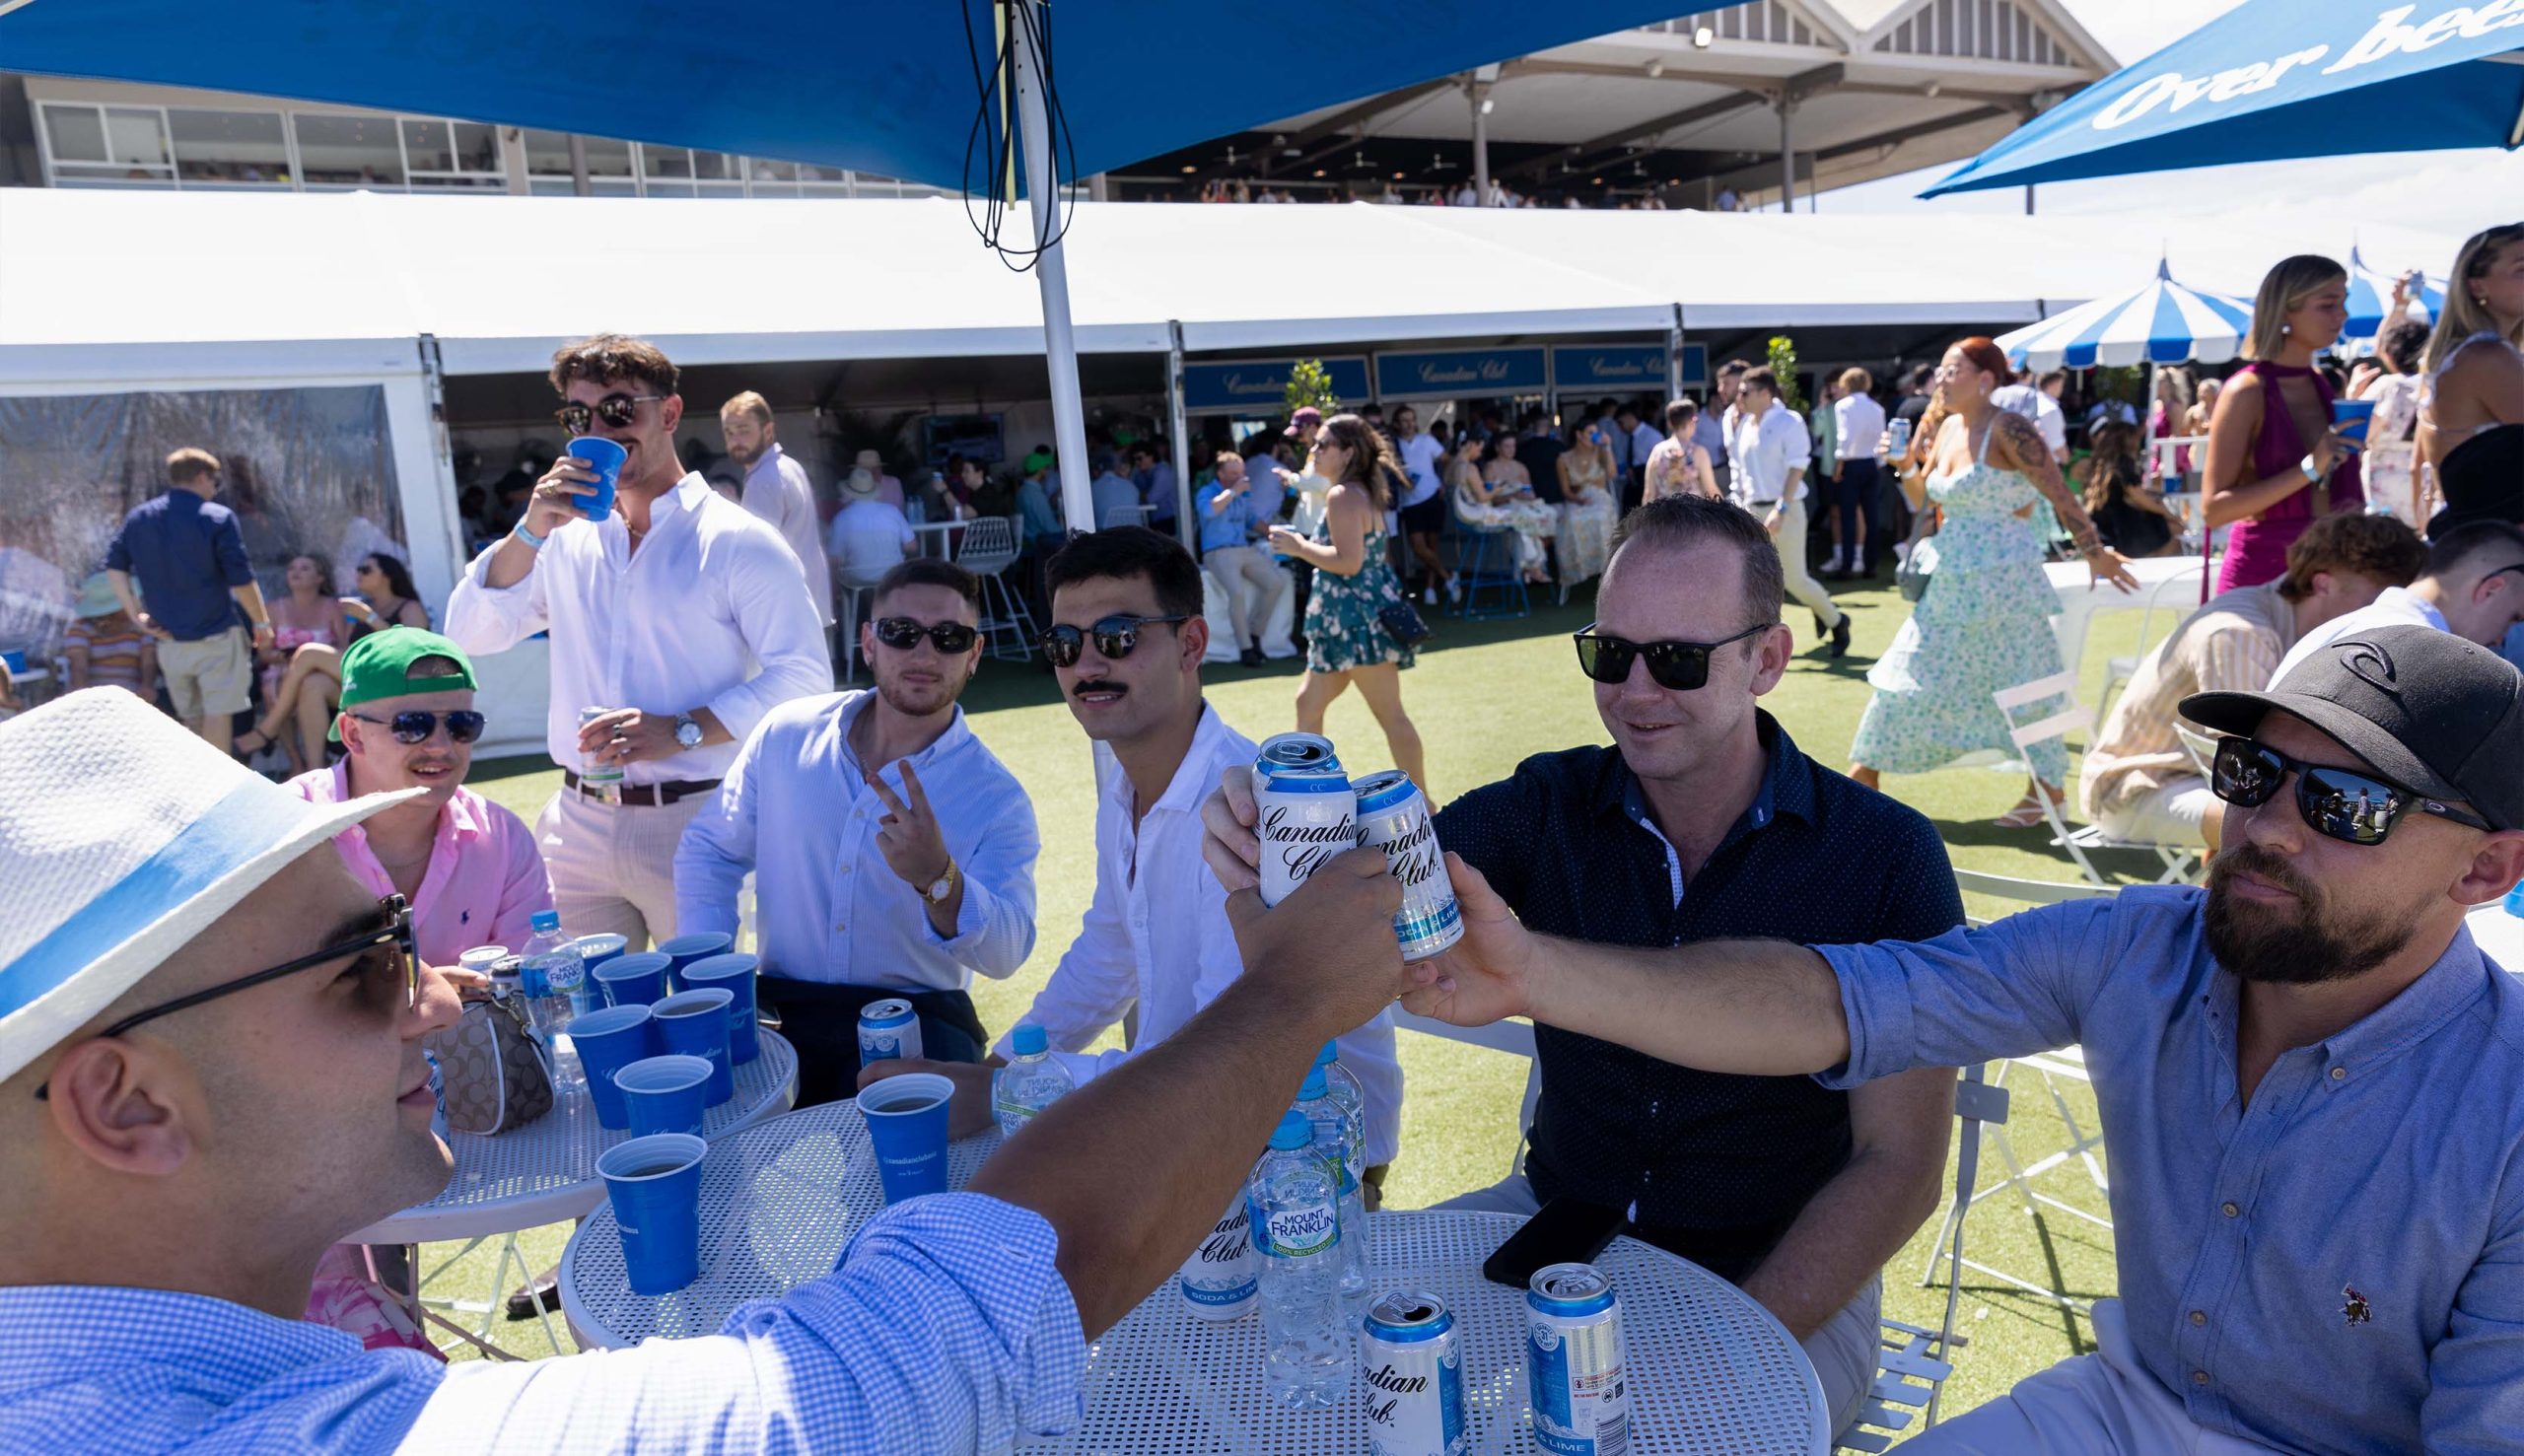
<point>485,879</point>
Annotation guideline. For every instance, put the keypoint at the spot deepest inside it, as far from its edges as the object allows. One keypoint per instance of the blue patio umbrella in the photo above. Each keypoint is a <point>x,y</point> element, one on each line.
<point>2163,322</point>
<point>897,89</point>
<point>2370,297</point>
<point>2275,79</point>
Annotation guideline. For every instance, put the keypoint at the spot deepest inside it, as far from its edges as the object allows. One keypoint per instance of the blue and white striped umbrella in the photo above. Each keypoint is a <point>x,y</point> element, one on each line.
<point>2370,298</point>
<point>2162,323</point>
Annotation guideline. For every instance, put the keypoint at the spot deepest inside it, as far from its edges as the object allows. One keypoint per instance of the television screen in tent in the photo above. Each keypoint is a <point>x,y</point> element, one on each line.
<point>974,436</point>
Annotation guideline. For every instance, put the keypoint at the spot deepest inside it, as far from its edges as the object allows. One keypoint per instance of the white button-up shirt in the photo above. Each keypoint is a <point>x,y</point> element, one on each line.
<point>778,491</point>
<point>830,908</point>
<point>1861,422</point>
<point>1763,450</point>
<point>1156,933</point>
<point>2398,607</point>
<point>712,612</point>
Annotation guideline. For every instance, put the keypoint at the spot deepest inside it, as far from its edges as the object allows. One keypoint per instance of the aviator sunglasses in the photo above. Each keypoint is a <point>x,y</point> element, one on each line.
<point>1116,637</point>
<point>413,725</point>
<point>616,410</point>
<point>902,633</point>
<point>2339,803</point>
<point>1678,666</point>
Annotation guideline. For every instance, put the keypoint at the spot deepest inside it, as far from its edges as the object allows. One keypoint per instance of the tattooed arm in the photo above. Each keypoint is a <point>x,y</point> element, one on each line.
<point>2016,444</point>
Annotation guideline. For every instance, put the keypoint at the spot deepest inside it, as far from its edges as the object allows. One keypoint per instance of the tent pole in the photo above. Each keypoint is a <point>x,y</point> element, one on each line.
<point>1786,153</point>
<point>1189,527</point>
<point>1051,275</point>
<point>1674,357</point>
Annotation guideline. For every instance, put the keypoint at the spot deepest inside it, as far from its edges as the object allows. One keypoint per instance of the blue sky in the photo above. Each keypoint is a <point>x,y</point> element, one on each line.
<point>2449,193</point>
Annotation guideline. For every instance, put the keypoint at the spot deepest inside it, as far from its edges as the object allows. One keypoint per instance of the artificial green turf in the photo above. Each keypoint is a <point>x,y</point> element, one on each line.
<point>1485,695</point>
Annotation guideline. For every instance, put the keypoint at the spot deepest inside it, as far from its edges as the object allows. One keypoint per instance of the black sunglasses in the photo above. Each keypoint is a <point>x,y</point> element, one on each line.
<point>413,726</point>
<point>2340,803</point>
<point>616,410</point>
<point>398,962</point>
<point>1678,666</point>
<point>1116,637</point>
<point>902,633</point>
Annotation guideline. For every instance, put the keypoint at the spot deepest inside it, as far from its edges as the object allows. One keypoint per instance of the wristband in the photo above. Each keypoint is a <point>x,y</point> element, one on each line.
<point>2308,465</point>
<point>527,536</point>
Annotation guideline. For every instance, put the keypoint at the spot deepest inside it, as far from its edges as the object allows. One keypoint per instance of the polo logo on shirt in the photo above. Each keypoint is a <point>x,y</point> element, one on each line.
<point>2370,664</point>
<point>2354,1309</point>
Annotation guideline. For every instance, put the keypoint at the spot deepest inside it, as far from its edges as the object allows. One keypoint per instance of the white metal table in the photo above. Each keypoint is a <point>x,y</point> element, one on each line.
<point>1711,1370</point>
<point>2082,598</point>
<point>936,537</point>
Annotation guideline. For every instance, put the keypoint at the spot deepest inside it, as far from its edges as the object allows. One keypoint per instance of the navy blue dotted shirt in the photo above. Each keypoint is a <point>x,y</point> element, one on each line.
<point>1717,1165</point>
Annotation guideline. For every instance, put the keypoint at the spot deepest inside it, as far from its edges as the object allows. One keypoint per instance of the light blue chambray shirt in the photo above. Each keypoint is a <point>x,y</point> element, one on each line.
<point>943,1328</point>
<point>796,808</point>
<point>2338,1267</point>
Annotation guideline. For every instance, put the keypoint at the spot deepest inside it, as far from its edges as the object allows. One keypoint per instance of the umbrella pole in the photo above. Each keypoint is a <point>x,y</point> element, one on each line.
<point>1177,432</point>
<point>1051,275</point>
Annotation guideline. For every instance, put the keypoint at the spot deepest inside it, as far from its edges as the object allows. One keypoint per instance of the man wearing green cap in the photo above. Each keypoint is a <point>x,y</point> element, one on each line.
<point>469,866</point>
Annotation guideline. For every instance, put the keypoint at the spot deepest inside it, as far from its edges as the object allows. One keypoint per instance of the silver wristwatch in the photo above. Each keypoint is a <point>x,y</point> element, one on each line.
<point>687,730</point>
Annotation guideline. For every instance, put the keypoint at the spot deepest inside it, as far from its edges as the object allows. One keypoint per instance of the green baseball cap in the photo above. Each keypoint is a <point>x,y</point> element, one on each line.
<point>379,665</point>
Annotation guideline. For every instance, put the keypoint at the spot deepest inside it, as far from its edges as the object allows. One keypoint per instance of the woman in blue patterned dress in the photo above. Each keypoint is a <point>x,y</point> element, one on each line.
<point>1985,621</point>
<point>1346,641</point>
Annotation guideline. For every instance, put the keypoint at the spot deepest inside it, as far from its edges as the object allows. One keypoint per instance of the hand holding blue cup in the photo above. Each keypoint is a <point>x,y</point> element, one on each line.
<point>664,1094</point>
<point>907,1127</point>
<point>695,1023</point>
<point>735,972</point>
<point>2349,419</point>
<point>632,980</point>
<point>608,1040</point>
<point>604,459</point>
<point>655,1184</point>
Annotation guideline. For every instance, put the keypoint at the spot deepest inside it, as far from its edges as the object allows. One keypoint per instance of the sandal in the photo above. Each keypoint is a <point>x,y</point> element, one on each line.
<point>2027,815</point>
<point>246,751</point>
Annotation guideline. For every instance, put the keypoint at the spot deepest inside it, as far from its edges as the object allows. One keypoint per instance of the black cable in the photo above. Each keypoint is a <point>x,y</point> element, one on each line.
<point>999,150</point>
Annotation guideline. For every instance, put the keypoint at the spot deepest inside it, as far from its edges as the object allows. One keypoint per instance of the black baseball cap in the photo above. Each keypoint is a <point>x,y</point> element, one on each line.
<point>2439,716</point>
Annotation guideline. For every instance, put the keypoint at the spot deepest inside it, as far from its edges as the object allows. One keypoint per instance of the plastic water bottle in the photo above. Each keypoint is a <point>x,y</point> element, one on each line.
<point>551,977</point>
<point>1343,1160</point>
<point>1294,1213</point>
<point>1344,1086</point>
<point>1029,1084</point>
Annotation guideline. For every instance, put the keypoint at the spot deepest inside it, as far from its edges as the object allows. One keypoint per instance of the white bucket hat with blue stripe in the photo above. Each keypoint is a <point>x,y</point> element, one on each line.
<point>123,836</point>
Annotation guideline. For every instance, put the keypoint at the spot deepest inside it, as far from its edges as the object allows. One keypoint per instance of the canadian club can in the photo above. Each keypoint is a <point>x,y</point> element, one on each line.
<point>1307,813</point>
<point>1219,1280</point>
<point>888,1028</point>
<point>1393,816</point>
<point>1574,1359</point>
<point>1414,1369</point>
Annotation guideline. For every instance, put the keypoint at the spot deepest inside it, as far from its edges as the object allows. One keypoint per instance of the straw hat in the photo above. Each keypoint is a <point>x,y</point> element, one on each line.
<point>122,837</point>
<point>860,486</point>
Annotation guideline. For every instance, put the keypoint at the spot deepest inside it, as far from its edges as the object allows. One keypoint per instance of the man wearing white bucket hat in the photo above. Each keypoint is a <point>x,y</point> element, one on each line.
<point>210,1071</point>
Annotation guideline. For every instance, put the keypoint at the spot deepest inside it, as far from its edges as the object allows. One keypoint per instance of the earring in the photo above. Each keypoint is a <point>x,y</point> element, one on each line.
<point>2286,328</point>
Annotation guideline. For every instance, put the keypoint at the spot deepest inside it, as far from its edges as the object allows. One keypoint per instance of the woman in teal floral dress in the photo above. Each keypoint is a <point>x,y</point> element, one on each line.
<point>1345,640</point>
<point>1984,622</point>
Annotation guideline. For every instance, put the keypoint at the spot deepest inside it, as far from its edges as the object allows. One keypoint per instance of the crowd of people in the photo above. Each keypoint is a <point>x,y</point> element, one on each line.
<point>1776,1113</point>
<point>1636,198</point>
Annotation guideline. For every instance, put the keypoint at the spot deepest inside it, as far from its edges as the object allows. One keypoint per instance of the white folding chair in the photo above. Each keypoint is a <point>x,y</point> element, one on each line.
<point>2179,859</point>
<point>2173,593</point>
<point>1913,1362</point>
<point>1515,1038</point>
<point>988,549</point>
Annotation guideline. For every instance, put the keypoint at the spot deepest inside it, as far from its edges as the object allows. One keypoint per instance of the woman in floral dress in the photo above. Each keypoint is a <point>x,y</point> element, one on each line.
<point>1502,505</point>
<point>1346,641</point>
<point>1589,506</point>
<point>1983,623</point>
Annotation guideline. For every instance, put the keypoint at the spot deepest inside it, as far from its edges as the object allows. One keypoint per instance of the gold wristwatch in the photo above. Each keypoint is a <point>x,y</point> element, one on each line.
<point>938,889</point>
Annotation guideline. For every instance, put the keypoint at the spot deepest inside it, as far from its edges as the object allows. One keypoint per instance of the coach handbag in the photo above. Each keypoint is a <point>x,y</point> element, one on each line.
<point>493,1073</point>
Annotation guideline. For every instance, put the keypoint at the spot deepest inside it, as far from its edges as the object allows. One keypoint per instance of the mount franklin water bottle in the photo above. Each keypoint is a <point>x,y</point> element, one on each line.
<point>1295,1214</point>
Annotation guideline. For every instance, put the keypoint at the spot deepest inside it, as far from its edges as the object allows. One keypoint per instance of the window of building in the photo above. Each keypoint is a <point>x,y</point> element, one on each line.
<point>90,145</point>
<point>454,155</point>
<point>611,167</point>
<point>682,172</point>
<point>229,148</point>
<point>335,152</point>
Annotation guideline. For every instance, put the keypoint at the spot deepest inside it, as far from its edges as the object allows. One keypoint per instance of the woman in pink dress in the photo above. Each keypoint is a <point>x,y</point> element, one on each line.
<point>301,682</point>
<point>2274,463</point>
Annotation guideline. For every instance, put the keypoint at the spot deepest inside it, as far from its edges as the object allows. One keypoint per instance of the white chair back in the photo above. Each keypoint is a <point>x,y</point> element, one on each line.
<point>989,546</point>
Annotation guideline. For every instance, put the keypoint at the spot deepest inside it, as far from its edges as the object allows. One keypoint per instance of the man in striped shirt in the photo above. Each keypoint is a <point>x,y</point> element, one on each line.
<point>2138,783</point>
<point>105,648</point>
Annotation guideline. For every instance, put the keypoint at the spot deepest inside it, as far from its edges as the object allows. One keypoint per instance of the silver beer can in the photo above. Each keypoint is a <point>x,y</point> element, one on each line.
<point>1574,1361</point>
<point>1393,816</point>
<point>1412,1364</point>
<point>1305,810</point>
<point>604,778</point>
<point>1221,1279</point>
<point>888,1028</point>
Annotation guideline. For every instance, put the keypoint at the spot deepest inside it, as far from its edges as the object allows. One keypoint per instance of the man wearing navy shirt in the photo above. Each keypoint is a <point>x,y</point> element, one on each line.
<point>188,559</point>
<point>1705,821</point>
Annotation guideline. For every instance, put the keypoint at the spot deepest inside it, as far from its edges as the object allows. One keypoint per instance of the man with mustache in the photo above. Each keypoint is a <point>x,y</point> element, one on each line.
<point>893,853</point>
<point>1126,640</point>
<point>2311,1080</point>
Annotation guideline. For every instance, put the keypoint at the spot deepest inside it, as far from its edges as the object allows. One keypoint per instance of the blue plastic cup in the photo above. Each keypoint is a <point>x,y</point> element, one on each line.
<point>632,980</point>
<point>605,459</point>
<point>695,1023</point>
<point>664,1094</point>
<point>734,971</point>
<point>607,1040</point>
<point>907,1126</point>
<point>2350,417</point>
<point>683,950</point>
<point>655,1184</point>
<point>596,951</point>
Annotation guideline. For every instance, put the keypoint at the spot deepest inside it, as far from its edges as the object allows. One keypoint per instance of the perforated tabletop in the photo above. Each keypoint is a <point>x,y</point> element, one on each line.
<point>1711,1370</point>
<point>546,1171</point>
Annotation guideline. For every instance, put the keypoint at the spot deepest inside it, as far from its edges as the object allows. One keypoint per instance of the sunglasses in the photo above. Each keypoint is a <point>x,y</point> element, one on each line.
<point>413,726</point>
<point>1116,637</point>
<point>389,968</point>
<point>616,410</point>
<point>902,633</point>
<point>1678,666</point>
<point>2339,803</point>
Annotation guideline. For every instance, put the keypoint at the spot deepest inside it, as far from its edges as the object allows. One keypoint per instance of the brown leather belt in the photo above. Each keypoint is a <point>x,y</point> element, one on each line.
<point>645,796</point>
